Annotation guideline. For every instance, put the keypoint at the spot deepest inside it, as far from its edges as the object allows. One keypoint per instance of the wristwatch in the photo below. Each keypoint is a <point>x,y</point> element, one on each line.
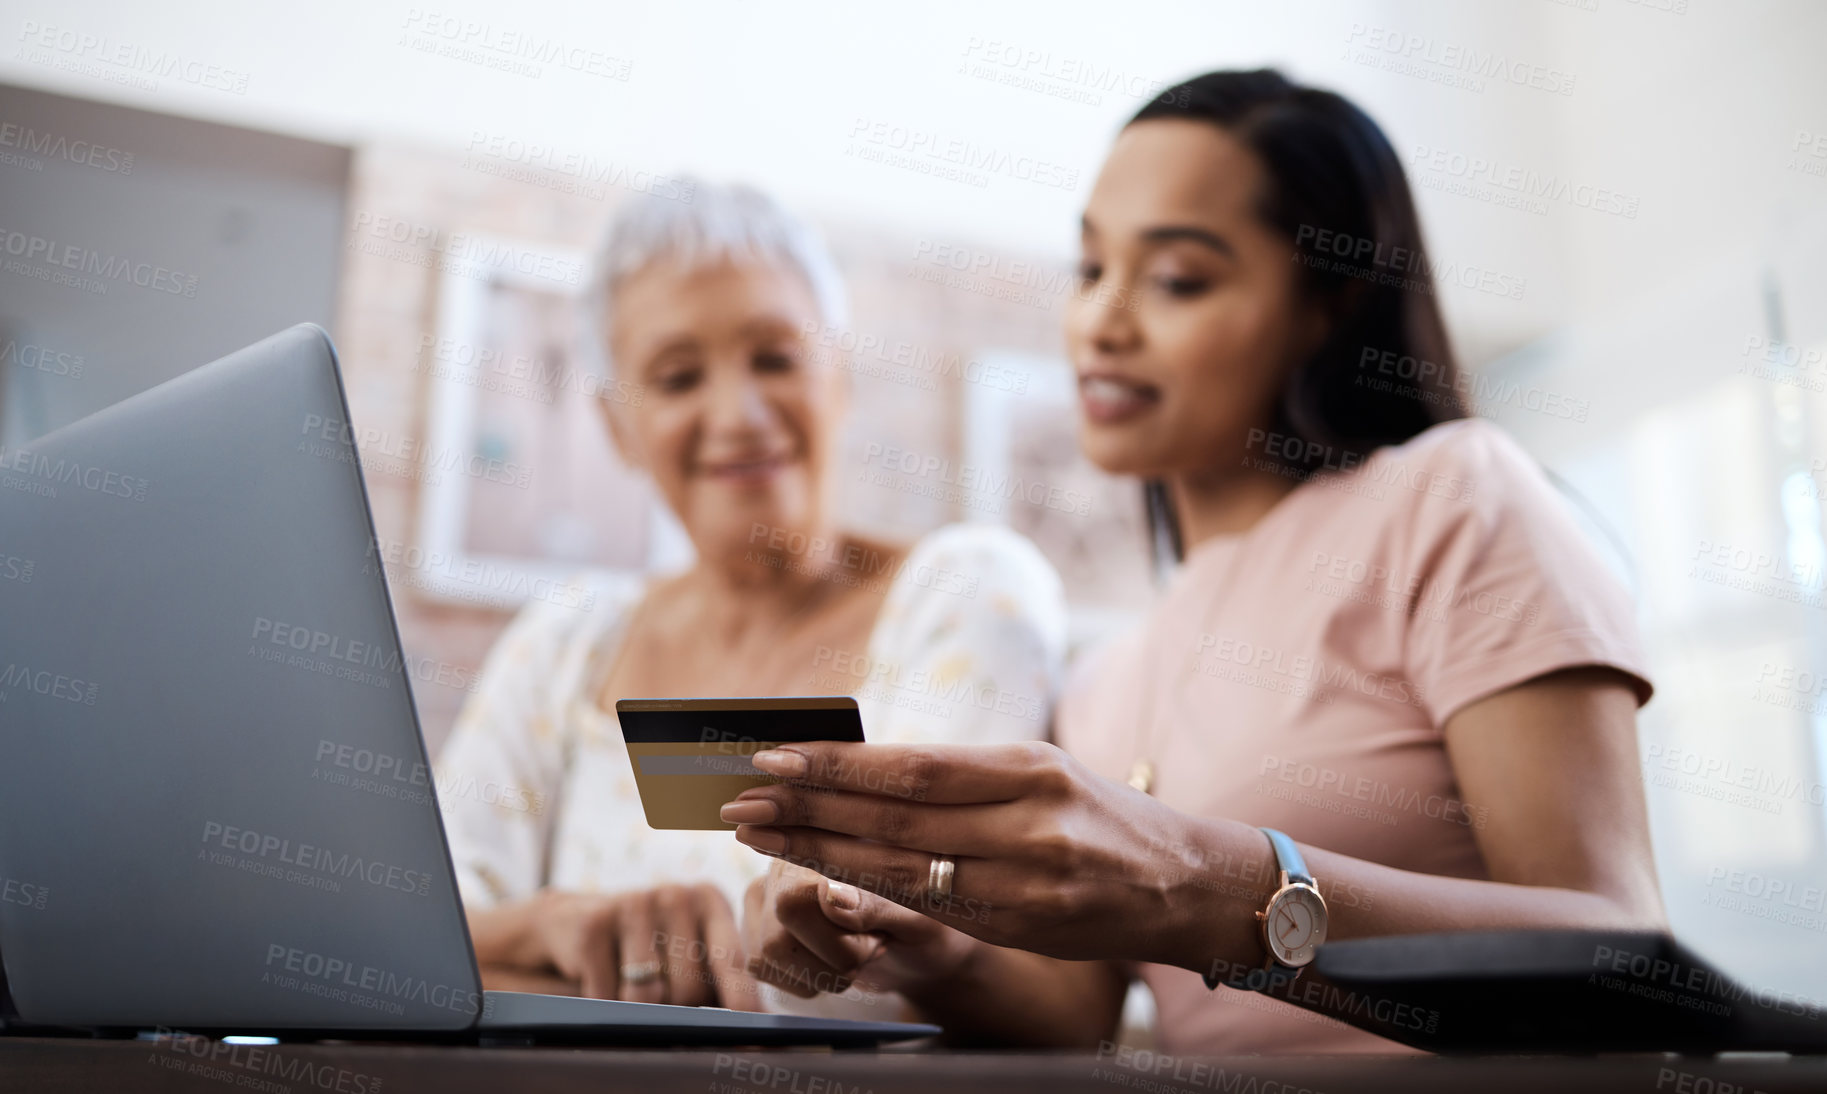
<point>1293,924</point>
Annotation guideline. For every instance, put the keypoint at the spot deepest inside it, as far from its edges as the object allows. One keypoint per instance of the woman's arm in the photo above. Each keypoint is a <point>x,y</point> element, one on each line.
<point>1563,829</point>
<point>1065,863</point>
<point>1552,768</point>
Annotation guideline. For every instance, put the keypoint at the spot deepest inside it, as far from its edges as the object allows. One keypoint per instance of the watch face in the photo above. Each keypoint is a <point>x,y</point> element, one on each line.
<point>1295,925</point>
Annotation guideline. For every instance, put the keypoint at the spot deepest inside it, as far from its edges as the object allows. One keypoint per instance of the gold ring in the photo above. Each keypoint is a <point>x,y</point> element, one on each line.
<point>641,973</point>
<point>939,877</point>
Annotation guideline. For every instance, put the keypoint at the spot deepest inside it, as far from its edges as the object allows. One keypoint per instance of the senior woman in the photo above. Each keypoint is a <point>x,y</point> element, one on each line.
<point>708,308</point>
<point>1386,638</point>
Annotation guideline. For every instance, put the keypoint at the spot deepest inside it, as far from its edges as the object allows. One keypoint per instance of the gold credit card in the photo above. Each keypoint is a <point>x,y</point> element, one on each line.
<point>690,756</point>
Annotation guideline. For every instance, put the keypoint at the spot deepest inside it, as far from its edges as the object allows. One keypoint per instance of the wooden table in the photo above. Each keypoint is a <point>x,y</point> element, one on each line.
<point>31,1065</point>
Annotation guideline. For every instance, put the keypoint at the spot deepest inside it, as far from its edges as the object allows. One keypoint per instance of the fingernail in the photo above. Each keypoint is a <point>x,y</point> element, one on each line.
<point>843,895</point>
<point>780,761</point>
<point>769,841</point>
<point>749,812</point>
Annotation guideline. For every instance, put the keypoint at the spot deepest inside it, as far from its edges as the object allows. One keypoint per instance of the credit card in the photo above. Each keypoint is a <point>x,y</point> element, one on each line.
<point>690,756</point>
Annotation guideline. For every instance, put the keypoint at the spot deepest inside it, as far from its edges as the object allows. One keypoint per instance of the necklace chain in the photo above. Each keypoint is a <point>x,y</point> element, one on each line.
<point>1142,771</point>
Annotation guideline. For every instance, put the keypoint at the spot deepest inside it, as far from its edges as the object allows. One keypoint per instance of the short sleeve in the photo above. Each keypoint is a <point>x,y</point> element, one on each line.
<point>1506,585</point>
<point>970,644</point>
<point>500,772</point>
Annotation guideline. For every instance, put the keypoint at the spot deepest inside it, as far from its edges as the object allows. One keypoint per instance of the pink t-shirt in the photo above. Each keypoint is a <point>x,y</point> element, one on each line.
<point>1298,676</point>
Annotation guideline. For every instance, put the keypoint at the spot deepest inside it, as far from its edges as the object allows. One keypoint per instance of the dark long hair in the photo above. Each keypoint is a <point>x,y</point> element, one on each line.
<point>1337,192</point>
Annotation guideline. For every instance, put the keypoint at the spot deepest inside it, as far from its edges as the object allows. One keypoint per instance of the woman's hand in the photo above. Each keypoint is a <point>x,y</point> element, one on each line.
<point>808,935</point>
<point>1049,857</point>
<point>670,944</point>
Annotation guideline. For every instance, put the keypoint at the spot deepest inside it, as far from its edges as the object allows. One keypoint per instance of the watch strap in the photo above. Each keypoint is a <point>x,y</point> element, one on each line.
<point>1287,856</point>
<point>1266,979</point>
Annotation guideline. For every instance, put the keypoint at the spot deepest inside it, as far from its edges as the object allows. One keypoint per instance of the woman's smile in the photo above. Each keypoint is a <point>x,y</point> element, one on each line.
<point>748,470</point>
<point>1109,398</point>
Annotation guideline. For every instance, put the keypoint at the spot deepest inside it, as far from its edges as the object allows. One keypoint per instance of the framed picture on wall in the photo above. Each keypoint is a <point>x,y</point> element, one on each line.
<point>522,486</point>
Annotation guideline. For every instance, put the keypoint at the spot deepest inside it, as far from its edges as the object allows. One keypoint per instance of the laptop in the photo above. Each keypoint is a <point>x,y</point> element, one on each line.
<point>192,609</point>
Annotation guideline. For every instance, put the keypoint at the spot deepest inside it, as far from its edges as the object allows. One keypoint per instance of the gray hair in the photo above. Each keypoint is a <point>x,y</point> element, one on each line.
<point>714,223</point>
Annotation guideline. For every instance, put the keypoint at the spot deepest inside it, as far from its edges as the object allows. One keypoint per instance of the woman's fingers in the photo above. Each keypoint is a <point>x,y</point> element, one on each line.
<point>679,945</point>
<point>641,974</point>
<point>916,950</point>
<point>724,961</point>
<point>801,914</point>
<point>861,912</point>
<point>791,944</point>
<point>757,912</point>
<point>944,829</point>
<point>672,944</point>
<point>593,931</point>
<point>785,962</point>
<point>940,774</point>
<point>897,873</point>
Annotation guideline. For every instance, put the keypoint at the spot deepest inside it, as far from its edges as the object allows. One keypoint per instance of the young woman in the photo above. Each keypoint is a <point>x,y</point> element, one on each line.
<point>1384,638</point>
<point>704,310</point>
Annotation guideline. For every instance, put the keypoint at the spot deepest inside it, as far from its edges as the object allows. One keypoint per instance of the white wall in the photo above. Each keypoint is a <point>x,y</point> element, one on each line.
<point>1691,112</point>
<point>206,239</point>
